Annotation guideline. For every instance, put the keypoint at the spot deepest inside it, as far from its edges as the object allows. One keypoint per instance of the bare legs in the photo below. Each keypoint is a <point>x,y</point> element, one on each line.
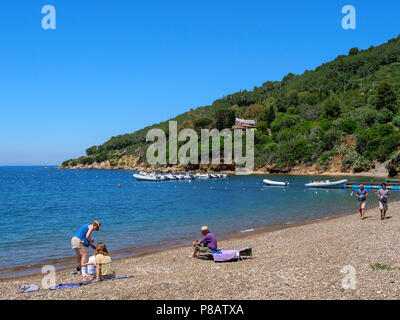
<point>362,211</point>
<point>193,255</point>
<point>195,252</point>
<point>81,258</point>
<point>383,214</point>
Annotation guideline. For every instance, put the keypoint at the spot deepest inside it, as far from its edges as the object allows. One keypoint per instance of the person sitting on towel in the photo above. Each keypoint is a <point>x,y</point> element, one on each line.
<point>206,245</point>
<point>104,267</point>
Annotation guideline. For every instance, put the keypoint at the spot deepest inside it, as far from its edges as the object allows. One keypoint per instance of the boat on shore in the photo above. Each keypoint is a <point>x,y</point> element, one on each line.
<point>275,183</point>
<point>325,184</point>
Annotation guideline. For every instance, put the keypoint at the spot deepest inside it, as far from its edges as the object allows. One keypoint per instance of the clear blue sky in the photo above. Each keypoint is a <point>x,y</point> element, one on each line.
<point>112,67</point>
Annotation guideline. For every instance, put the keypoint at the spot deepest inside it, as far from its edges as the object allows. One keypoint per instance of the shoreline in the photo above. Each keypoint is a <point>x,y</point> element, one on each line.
<point>67,262</point>
<point>299,261</point>
<point>364,174</point>
<point>302,261</point>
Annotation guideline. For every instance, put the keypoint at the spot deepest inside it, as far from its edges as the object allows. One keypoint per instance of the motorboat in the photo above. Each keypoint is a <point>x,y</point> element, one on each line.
<point>147,177</point>
<point>325,184</point>
<point>170,177</point>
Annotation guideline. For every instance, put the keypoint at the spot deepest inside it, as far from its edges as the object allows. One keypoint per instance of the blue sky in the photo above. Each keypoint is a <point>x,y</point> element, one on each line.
<point>112,67</point>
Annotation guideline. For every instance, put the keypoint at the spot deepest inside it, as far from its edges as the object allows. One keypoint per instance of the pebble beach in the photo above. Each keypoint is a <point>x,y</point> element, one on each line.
<point>306,261</point>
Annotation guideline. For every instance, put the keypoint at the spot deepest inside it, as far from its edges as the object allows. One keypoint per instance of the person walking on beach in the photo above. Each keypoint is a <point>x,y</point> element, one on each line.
<point>383,195</point>
<point>82,239</point>
<point>362,195</point>
<point>207,244</point>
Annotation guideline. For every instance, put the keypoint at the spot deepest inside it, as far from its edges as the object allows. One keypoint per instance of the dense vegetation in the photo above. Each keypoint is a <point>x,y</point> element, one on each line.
<point>346,110</point>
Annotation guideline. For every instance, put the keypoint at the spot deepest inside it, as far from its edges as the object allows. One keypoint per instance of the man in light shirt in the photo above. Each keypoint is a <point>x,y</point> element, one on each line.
<point>383,195</point>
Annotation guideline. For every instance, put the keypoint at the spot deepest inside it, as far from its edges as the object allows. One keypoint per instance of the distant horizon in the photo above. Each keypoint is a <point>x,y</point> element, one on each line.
<point>28,165</point>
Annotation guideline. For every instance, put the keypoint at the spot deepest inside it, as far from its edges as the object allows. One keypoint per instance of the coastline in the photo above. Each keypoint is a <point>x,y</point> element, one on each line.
<point>286,260</point>
<point>303,171</point>
<point>68,263</point>
<point>64,257</point>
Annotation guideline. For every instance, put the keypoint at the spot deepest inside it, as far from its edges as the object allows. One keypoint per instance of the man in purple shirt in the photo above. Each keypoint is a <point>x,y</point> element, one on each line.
<point>206,245</point>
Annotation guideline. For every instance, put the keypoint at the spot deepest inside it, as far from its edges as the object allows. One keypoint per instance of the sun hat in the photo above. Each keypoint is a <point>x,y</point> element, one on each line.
<point>97,223</point>
<point>204,228</point>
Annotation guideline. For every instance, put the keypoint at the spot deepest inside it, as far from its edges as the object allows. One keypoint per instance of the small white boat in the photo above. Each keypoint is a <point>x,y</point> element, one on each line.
<point>142,177</point>
<point>325,184</point>
<point>202,176</point>
<point>275,183</point>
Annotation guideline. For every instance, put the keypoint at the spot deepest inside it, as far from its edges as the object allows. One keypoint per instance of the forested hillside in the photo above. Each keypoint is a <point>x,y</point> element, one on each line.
<point>346,110</point>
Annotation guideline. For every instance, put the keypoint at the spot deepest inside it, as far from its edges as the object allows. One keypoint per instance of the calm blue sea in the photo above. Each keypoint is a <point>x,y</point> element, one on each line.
<point>41,209</point>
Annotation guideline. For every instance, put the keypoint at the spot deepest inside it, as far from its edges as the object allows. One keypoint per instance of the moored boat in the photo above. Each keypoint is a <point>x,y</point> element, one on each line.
<point>146,177</point>
<point>202,176</point>
<point>325,184</point>
<point>275,183</point>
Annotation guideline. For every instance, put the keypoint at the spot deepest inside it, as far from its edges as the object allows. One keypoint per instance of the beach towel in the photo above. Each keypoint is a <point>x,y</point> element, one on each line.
<point>231,255</point>
<point>84,283</point>
<point>28,288</point>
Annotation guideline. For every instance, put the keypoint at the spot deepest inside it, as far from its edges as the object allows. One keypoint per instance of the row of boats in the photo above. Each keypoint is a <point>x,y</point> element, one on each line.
<point>313,184</point>
<point>144,176</point>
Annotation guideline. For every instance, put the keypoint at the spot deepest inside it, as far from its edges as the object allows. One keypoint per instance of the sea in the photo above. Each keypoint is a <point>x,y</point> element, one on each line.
<point>41,208</point>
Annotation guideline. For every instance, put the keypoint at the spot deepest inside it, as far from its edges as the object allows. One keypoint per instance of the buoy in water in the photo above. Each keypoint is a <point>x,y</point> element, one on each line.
<point>119,186</point>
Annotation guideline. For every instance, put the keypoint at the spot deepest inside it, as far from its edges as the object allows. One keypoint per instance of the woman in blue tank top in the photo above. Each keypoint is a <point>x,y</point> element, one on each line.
<point>80,240</point>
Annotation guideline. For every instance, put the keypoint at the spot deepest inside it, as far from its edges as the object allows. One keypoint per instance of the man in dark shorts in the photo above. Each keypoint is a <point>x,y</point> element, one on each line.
<point>383,195</point>
<point>362,195</point>
<point>207,244</point>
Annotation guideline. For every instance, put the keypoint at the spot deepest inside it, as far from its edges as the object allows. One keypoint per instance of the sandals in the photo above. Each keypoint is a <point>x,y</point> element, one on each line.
<point>76,271</point>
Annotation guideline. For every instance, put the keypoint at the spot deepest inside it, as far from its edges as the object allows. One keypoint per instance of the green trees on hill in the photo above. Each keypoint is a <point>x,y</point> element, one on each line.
<point>202,123</point>
<point>386,98</point>
<point>224,118</point>
<point>377,142</point>
<point>346,109</point>
<point>91,150</point>
<point>269,115</point>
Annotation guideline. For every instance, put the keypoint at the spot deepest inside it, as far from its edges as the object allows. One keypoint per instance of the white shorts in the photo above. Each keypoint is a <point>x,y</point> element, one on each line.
<point>362,204</point>
<point>383,206</point>
<point>76,243</point>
